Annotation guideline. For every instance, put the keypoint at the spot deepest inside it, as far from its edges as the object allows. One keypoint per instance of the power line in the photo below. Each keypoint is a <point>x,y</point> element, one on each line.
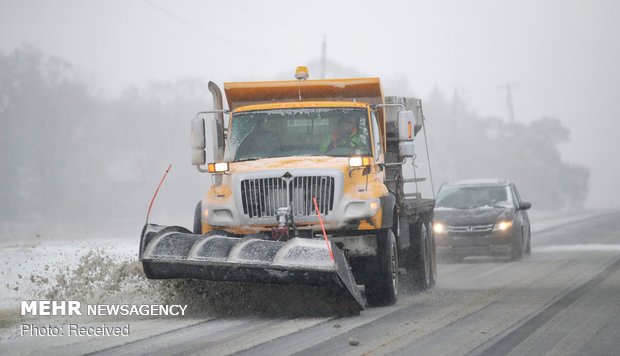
<point>358,56</point>
<point>211,34</point>
<point>279,59</point>
<point>272,20</point>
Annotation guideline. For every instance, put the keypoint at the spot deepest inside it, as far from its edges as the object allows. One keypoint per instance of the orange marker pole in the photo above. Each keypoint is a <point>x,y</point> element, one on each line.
<point>157,191</point>
<point>318,212</point>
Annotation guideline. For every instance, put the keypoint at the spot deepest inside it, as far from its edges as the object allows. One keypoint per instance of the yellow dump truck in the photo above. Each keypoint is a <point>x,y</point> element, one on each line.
<point>308,187</point>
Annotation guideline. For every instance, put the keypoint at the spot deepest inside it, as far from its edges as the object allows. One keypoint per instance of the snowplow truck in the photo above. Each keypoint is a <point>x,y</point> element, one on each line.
<point>308,187</point>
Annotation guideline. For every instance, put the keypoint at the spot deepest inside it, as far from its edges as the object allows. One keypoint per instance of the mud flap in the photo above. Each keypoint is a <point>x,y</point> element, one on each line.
<point>174,252</point>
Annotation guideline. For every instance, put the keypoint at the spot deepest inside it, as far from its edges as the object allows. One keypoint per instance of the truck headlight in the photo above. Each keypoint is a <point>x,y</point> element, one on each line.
<point>357,161</point>
<point>218,167</point>
<point>503,225</point>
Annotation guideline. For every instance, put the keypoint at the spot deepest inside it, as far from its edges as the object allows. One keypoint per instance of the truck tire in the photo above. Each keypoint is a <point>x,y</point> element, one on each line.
<point>432,253</point>
<point>382,281</point>
<point>423,267</point>
<point>198,219</point>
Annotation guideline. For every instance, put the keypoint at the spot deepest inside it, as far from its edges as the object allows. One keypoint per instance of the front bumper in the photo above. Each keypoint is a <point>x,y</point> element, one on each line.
<point>346,211</point>
<point>487,244</point>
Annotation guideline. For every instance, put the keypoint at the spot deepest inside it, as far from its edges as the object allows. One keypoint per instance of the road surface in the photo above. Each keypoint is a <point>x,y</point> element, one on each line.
<point>561,300</point>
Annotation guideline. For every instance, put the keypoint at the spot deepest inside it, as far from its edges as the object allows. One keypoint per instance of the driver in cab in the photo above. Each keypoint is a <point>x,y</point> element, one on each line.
<point>346,135</point>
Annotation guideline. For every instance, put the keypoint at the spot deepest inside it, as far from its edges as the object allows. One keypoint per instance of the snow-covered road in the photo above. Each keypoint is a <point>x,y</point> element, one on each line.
<point>107,272</point>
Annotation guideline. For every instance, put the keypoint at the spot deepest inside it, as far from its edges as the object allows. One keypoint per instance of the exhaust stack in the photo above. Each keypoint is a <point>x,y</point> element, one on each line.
<point>218,106</point>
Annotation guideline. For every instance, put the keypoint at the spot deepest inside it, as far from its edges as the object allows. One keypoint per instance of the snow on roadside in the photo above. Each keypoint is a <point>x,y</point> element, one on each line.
<point>88,271</point>
<point>102,272</point>
<point>108,272</point>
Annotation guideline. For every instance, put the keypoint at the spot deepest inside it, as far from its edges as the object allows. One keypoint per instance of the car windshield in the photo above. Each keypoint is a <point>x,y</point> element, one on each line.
<point>298,132</point>
<point>465,197</point>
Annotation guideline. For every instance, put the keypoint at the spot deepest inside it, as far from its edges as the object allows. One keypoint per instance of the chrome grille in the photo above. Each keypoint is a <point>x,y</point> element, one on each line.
<point>262,197</point>
<point>470,228</point>
<point>481,228</point>
<point>457,228</point>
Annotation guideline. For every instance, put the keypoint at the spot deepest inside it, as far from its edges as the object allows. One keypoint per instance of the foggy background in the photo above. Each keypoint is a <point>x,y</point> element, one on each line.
<point>96,97</point>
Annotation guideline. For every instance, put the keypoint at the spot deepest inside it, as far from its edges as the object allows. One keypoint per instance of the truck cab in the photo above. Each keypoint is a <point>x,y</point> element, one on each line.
<point>328,146</point>
<point>286,155</point>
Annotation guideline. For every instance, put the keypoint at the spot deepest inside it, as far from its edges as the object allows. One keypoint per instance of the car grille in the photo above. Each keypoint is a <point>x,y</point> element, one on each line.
<point>262,197</point>
<point>470,228</point>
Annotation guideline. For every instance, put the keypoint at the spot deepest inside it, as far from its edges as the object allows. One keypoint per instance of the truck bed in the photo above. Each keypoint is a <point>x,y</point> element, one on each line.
<point>416,207</point>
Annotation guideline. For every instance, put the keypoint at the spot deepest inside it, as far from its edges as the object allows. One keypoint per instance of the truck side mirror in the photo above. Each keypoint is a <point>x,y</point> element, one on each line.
<point>406,131</point>
<point>199,156</point>
<point>524,205</point>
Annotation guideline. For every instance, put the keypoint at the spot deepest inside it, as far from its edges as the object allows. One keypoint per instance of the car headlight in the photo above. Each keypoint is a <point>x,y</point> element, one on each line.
<point>439,228</point>
<point>503,225</point>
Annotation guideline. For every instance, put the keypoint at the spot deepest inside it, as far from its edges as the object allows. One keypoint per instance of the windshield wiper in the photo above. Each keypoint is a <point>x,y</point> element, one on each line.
<point>248,159</point>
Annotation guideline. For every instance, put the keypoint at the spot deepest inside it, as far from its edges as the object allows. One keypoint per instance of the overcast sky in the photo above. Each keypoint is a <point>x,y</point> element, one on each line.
<point>563,57</point>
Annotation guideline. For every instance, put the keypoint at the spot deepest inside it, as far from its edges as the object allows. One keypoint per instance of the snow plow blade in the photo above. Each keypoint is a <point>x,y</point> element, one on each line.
<point>175,252</point>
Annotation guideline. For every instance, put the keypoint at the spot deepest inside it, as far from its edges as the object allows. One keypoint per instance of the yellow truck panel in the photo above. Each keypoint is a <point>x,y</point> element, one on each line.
<point>367,90</point>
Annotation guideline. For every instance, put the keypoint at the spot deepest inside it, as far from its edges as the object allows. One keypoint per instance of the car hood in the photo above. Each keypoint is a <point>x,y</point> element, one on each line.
<point>472,216</point>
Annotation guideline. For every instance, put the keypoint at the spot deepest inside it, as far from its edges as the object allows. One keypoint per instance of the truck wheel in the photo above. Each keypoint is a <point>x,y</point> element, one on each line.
<point>423,269</point>
<point>432,253</point>
<point>382,283</point>
<point>198,219</point>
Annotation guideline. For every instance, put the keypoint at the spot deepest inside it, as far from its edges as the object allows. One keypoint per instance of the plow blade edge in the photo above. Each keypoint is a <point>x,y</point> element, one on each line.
<point>175,252</point>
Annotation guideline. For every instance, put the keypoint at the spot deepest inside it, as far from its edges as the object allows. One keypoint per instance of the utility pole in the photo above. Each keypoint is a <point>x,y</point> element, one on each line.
<point>455,103</point>
<point>455,114</point>
<point>323,56</point>
<point>509,106</point>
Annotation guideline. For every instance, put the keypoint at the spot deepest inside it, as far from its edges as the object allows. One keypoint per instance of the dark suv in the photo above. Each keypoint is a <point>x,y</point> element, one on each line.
<point>481,217</point>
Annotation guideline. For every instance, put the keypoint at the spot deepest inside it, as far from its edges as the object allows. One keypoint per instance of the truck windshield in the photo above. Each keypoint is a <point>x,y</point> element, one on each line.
<point>298,132</point>
<point>474,197</point>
